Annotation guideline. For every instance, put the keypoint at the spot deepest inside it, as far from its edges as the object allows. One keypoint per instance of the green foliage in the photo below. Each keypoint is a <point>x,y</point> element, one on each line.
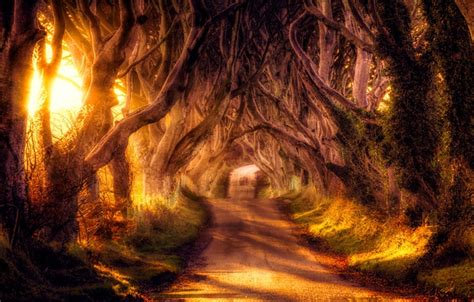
<point>109,270</point>
<point>452,47</point>
<point>411,129</point>
<point>130,269</point>
<point>370,242</point>
<point>267,192</point>
<point>455,220</point>
<point>429,131</point>
<point>166,229</point>
<point>357,141</point>
<point>456,279</point>
<point>149,254</point>
<point>413,126</point>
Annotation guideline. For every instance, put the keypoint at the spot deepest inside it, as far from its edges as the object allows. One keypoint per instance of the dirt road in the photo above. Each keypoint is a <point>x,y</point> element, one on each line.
<point>253,255</point>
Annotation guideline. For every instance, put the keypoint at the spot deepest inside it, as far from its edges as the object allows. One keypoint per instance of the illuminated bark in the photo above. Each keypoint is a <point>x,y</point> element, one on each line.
<point>67,170</point>
<point>171,91</point>
<point>49,70</point>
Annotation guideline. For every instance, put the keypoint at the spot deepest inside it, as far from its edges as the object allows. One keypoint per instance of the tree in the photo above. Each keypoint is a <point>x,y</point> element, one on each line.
<point>19,34</point>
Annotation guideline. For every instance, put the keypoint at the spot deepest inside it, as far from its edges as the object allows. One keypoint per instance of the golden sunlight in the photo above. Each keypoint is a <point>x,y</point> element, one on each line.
<point>66,94</point>
<point>66,90</point>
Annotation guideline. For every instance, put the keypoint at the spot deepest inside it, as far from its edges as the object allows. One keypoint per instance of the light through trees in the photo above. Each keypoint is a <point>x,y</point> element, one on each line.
<point>67,93</point>
<point>110,109</point>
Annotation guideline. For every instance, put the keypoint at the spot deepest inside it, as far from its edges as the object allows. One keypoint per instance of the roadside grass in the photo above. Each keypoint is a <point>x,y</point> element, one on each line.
<point>150,254</point>
<point>457,279</point>
<point>373,244</point>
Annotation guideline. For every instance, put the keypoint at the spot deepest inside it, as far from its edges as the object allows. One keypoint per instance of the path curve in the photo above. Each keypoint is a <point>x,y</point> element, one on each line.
<point>254,255</point>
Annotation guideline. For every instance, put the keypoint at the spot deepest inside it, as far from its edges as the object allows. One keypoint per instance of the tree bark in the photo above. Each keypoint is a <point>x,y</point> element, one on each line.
<point>19,37</point>
<point>327,43</point>
<point>172,90</point>
<point>120,171</point>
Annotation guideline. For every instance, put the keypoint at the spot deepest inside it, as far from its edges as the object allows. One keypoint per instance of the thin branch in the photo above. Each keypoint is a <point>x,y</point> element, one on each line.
<point>360,21</point>
<point>341,28</point>
<point>149,52</point>
<point>76,36</point>
<point>59,29</point>
<point>286,111</point>
<point>127,21</point>
<point>311,67</point>
<point>94,25</point>
<point>379,23</point>
<point>173,88</point>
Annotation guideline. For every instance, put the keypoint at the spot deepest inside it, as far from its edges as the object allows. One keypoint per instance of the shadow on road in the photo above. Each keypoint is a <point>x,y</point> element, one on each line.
<point>255,256</point>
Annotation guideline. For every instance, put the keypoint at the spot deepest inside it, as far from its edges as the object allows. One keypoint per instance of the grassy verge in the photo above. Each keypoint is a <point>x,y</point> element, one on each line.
<point>150,253</point>
<point>375,244</point>
<point>455,279</point>
<point>153,251</point>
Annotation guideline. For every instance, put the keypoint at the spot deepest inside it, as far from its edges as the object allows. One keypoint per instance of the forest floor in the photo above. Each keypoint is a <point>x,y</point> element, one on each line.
<point>255,253</point>
<point>149,255</point>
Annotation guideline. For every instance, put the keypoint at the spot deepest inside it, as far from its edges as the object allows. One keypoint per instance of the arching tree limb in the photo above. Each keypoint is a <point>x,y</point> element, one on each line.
<point>117,138</point>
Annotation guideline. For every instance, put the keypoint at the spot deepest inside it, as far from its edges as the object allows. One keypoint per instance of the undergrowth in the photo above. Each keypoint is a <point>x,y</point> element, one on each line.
<point>39,273</point>
<point>148,253</point>
<point>374,244</point>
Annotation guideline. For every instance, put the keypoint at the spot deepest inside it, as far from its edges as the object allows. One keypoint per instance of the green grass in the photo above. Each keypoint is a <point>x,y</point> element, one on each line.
<point>456,279</point>
<point>267,191</point>
<point>150,253</point>
<point>344,225</point>
<point>373,243</point>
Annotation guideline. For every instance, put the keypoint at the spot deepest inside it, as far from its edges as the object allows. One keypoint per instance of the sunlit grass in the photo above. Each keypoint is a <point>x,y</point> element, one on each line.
<point>396,251</point>
<point>457,279</point>
<point>146,254</point>
<point>167,226</point>
<point>373,244</point>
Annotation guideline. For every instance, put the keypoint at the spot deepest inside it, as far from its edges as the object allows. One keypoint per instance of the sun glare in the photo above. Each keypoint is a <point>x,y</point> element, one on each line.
<point>66,91</point>
<point>66,94</point>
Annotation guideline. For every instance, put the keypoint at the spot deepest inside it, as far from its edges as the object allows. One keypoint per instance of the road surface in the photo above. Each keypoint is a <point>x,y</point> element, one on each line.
<point>253,255</point>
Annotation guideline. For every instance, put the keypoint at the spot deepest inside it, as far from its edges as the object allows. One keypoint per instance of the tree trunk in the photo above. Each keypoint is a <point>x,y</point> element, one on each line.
<point>157,175</point>
<point>120,170</point>
<point>19,37</point>
<point>327,43</point>
<point>361,77</point>
<point>393,198</point>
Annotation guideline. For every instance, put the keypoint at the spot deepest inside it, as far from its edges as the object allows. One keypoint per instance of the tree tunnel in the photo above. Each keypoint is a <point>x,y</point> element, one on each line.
<point>355,98</point>
<point>312,91</point>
